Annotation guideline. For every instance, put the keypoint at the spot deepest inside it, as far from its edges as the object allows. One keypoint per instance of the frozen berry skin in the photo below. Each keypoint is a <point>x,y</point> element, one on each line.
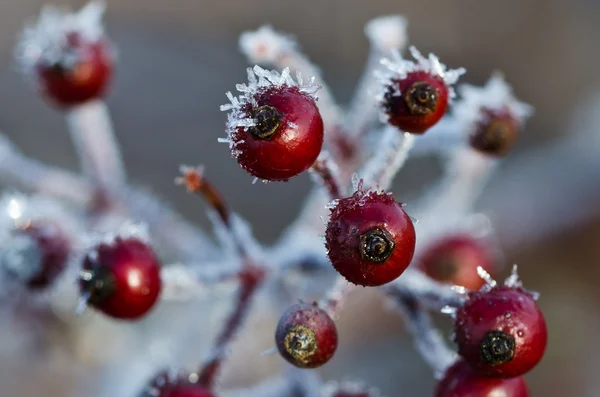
<point>369,238</point>
<point>87,78</point>
<point>417,102</point>
<point>454,260</point>
<point>501,332</point>
<point>496,132</point>
<point>461,380</point>
<point>306,336</point>
<point>122,278</point>
<point>287,137</point>
<point>54,246</point>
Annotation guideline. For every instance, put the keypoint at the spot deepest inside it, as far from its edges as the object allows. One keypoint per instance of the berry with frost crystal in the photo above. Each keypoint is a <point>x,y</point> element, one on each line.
<point>275,130</point>
<point>370,240</point>
<point>461,380</point>
<point>306,336</point>
<point>416,94</point>
<point>501,332</point>
<point>495,133</point>
<point>122,278</point>
<point>455,259</point>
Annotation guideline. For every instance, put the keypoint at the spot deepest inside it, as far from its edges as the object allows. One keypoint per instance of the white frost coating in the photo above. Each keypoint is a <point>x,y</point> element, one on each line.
<point>45,41</point>
<point>351,388</point>
<point>119,229</point>
<point>265,45</point>
<point>397,68</point>
<point>186,282</point>
<point>489,281</point>
<point>259,80</point>
<point>513,281</point>
<point>388,32</point>
<point>496,94</point>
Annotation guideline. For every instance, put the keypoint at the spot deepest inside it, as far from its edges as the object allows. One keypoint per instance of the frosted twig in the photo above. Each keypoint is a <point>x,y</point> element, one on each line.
<point>92,134</point>
<point>29,174</point>
<point>428,339</point>
<point>336,296</point>
<point>268,47</point>
<point>388,158</point>
<point>385,34</point>
<point>184,282</point>
<point>325,173</point>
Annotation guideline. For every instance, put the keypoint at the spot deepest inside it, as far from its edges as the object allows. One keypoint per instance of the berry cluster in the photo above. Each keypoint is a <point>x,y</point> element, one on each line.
<point>278,127</point>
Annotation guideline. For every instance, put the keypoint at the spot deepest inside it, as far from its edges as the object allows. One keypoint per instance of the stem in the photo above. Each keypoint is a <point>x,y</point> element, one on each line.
<point>92,134</point>
<point>337,296</point>
<point>324,170</point>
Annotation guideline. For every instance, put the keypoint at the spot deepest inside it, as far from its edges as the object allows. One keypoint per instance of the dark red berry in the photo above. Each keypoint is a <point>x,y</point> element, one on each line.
<point>416,102</point>
<point>455,259</point>
<point>286,137</point>
<point>306,336</point>
<point>168,384</point>
<point>54,247</point>
<point>370,240</point>
<point>496,132</point>
<point>122,278</point>
<point>501,332</point>
<point>461,380</point>
<point>86,77</point>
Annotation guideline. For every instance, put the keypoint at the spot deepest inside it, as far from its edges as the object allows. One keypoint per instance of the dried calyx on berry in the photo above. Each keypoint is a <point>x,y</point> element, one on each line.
<point>500,331</point>
<point>491,115</point>
<point>370,240</point>
<point>68,54</point>
<point>460,380</point>
<point>415,95</point>
<point>121,276</point>
<point>306,336</point>
<point>454,259</point>
<point>274,128</point>
<point>172,383</point>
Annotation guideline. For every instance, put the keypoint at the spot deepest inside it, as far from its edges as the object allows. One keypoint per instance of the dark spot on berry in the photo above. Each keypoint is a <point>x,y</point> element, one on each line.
<point>268,121</point>
<point>301,343</point>
<point>497,348</point>
<point>421,98</point>
<point>376,245</point>
<point>99,283</point>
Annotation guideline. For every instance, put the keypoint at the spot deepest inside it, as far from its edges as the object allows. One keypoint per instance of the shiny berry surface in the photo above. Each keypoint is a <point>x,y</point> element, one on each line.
<point>454,260</point>
<point>501,333</point>
<point>54,248</point>
<point>287,136</point>
<point>461,380</point>
<point>122,278</point>
<point>87,78</point>
<point>369,238</point>
<point>496,132</point>
<point>417,102</point>
<point>306,336</point>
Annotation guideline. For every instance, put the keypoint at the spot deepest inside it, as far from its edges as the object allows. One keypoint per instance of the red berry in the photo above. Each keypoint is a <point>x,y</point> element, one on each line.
<point>122,278</point>
<point>496,132</point>
<point>455,259</point>
<point>167,384</point>
<point>417,102</point>
<point>54,247</point>
<point>461,380</point>
<point>306,336</point>
<point>501,332</point>
<point>84,78</point>
<point>369,238</point>
<point>286,134</point>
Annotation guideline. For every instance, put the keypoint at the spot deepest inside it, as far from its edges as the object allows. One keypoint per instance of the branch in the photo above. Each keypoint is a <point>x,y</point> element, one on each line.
<point>325,173</point>
<point>336,296</point>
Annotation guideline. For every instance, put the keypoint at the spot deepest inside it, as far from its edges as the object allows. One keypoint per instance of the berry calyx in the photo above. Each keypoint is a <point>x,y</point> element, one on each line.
<point>306,336</point>
<point>122,278</point>
<point>370,240</point>
<point>501,332</point>
<point>496,132</point>
<point>416,94</point>
<point>275,130</point>
<point>460,380</point>
<point>455,259</point>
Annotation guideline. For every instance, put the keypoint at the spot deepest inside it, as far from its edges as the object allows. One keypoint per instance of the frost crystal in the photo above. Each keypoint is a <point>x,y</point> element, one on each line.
<point>266,45</point>
<point>119,229</point>
<point>496,94</point>
<point>46,41</point>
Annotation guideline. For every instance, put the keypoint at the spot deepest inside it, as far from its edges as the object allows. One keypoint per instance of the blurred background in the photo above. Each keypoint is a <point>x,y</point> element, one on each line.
<point>177,58</point>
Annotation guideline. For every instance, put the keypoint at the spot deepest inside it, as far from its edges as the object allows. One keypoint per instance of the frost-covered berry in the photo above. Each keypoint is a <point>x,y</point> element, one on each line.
<point>495,133</point>
<point>461,380</point>
<point>68,55</point>
<point>370,240</point>
<point>501,332</point>
<point>415,95</point>
<point>306,336</point>
<point>174,384</point>
<point>455,259</point>
<point>121,278</point>
<point>274,128</point>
